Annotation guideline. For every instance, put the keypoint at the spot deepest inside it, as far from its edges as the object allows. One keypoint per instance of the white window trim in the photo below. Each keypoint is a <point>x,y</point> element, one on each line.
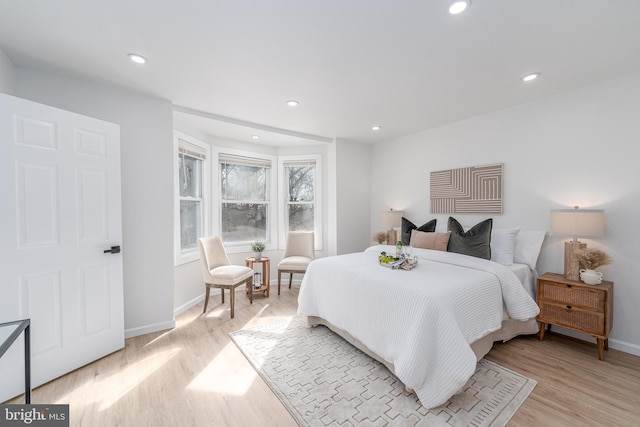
<point>181,257</point>
<point>216,202</point>
<point>282,199</point>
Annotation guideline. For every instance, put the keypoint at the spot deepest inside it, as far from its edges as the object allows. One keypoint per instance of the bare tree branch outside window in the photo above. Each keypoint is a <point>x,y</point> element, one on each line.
<point>301,198</point>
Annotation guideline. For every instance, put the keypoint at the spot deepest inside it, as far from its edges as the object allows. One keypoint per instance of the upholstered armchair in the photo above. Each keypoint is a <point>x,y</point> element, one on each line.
<point>218,272</point>
<point>299,252</point>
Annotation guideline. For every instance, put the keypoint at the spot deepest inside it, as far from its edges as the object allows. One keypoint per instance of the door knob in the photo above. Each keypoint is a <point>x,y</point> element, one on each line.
<point>113,250</point>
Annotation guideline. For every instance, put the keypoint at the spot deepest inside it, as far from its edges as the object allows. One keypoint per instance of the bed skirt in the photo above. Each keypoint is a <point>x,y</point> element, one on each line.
<point>510,329</point>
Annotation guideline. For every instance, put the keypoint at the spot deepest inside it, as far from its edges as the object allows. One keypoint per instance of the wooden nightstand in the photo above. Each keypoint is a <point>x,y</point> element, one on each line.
<point>574,305</point>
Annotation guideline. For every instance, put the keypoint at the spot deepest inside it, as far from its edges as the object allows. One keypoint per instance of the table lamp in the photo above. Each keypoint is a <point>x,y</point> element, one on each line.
<point>391,219</point>
<point>576,222</point>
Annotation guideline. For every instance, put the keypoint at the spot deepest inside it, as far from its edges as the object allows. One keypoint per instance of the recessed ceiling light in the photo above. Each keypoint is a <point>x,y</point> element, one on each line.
<point>255,136</point>
<point>530,77</point>
<point>376,127</point>
<point>292,103</point>
<point>138,59</point>
<point>458,6</point>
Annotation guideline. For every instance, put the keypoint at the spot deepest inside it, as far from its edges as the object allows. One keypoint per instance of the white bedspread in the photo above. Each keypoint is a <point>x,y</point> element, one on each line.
<point>422,320</point>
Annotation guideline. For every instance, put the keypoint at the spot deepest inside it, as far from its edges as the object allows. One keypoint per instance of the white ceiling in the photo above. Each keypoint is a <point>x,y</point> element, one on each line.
<point>405,65</point>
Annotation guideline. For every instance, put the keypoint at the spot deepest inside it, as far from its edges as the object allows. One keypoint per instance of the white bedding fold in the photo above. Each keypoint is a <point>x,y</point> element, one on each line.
<point>421,320</point>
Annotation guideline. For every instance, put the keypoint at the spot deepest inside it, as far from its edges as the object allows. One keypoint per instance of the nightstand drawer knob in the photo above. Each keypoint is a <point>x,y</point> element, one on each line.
<point>568,307</point>
<point>569,286</point>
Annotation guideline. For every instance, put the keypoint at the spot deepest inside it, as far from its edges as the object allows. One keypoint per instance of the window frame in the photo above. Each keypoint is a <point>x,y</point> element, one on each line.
<point>272,213</point>
<point>180,256</point>
<point>283,190</point>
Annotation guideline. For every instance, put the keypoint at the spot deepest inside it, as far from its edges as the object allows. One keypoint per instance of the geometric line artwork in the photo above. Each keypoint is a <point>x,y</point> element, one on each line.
<point>324,381</point>
<point>476,189</point>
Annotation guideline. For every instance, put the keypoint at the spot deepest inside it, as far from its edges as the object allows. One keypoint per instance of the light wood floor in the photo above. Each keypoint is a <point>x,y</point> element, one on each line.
<point>194,375</point>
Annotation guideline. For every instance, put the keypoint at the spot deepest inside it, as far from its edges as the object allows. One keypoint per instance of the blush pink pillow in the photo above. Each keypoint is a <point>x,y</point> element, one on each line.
<point>436,241</point>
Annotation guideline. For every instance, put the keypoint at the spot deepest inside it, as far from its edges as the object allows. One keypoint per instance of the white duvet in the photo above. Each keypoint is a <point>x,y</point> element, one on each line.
<point>422,320</point>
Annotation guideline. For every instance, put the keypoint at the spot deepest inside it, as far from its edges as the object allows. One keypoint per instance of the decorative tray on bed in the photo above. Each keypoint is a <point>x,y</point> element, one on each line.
<point>395,263</point>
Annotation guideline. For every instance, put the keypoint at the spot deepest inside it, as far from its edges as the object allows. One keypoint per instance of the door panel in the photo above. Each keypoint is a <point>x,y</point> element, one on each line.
<point>94,293</point>
<point>90,143</point>
<point>37,196</point>
<point>35,132</point>
<point>93,208</point>
<point>41,298</point>
<point>60,209</point>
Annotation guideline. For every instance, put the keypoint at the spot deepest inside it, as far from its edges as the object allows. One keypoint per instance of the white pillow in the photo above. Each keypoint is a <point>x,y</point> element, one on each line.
<point>503,243</point>
<point>528,245</point>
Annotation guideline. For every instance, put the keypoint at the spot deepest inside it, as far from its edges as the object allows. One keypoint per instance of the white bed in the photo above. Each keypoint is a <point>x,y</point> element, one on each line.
<point>428,325</point>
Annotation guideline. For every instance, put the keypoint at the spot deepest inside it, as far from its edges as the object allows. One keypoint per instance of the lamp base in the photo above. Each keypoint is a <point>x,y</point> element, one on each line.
<point>392,237</point>
<point>571,264</point>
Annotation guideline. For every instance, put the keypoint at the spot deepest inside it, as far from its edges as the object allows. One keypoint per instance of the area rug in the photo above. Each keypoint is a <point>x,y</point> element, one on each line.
<point>324,381</point>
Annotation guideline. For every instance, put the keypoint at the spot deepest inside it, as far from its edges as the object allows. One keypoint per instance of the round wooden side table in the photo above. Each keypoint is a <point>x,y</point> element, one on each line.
<point>265,285</point>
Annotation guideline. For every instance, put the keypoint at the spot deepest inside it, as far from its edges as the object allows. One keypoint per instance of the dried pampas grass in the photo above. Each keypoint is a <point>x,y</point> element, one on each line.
<point>593,258</point>
<point>380,237</point>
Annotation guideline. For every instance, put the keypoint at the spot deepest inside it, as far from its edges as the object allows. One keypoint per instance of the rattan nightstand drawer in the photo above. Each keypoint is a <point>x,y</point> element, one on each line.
<point>574,305</point>
<point>588,321</point>
<point>568,294</point>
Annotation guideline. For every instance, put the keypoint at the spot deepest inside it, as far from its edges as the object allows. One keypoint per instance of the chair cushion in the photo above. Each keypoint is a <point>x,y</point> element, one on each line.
<point>230,274</point>
<point>297,263</point>
<point>300,243</point>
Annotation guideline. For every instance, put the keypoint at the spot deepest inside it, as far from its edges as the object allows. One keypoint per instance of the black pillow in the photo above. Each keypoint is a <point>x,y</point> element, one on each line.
<point>475,242</point>
<point>407,226</point>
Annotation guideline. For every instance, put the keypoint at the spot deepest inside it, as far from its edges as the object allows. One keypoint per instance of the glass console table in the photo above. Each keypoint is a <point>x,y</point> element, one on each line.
<point>9,333</point>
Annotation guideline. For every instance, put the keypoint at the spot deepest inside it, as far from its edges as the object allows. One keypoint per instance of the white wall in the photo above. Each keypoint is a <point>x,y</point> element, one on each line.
<point>353,171</point>
<point>7,75</point>
<point>577,148</point>
<point>146,141</point>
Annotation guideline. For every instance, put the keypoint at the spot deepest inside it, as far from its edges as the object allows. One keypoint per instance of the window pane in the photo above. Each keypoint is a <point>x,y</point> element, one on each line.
<point>189,179</point>
<point>245,183</point>
<point>300,217</point>
<point>301,183</point>
<point>244,222</point>
<point>190,224</point>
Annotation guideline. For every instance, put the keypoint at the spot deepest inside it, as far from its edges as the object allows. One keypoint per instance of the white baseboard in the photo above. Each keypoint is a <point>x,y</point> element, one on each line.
<point>613,343</point>
<point>285,282</point>
<point>143,330</point>
<point>187,305</point>
<point>624,346</point>
<point>162,326</point>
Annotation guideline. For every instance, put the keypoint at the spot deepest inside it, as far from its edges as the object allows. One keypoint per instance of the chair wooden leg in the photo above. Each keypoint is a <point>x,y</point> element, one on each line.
<point>290,279</point>
<point>279,276</point>
<point>206,299</point>
<point>231,300</point>
<point>248,285</point>
<point>222,292</point>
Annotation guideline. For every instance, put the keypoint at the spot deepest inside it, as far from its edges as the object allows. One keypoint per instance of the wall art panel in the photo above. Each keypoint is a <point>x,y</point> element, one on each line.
<point>476,189</point>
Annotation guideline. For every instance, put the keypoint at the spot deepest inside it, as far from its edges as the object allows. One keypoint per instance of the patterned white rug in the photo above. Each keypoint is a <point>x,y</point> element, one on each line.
<point>325,381</point>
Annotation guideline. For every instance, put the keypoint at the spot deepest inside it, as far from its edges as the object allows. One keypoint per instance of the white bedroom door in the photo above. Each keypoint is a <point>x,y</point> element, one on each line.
<point>60,210</point>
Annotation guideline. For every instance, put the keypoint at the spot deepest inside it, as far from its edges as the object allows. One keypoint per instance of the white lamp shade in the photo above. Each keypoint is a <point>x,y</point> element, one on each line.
<point>578,222</point>
<point>391,218</point>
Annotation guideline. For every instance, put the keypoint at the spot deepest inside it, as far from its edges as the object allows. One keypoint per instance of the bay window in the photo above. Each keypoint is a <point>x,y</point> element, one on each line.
<point>245,199</point>
<point>191,181</point>
<point>301,194</point>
